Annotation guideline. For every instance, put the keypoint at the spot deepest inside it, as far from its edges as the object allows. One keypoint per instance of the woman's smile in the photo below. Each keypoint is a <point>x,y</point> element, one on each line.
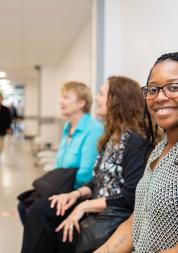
<point>165,110</point>
<point>162,108</point>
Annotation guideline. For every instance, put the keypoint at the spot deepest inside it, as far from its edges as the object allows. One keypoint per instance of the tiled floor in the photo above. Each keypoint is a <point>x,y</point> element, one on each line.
<point>17,171</point>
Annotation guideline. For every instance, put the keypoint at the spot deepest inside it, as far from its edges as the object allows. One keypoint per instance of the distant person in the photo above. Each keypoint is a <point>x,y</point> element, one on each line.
<point>20,116</point>
<point>5,122</point>
<point>20,109</point>
<point>13,113</point>
<point>78,145</point>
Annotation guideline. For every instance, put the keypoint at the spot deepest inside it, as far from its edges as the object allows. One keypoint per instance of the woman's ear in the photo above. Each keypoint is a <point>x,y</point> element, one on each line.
<point>82,103</point>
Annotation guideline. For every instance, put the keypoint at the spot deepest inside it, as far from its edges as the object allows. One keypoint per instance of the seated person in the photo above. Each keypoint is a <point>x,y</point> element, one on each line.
<point>80,133</point>
<point>110,196</point>
<point>154,224</point>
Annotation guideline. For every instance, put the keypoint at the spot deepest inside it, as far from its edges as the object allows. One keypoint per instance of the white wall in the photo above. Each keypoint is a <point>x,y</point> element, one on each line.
<point>31,99</point>
<point>49,129</point>
<point>136,33</point>
<point>31,108</point>
<point>76,63</point>
<point>49,92</point>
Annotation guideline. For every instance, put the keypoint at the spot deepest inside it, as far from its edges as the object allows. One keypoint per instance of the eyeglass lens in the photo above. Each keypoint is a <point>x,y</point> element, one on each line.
<point>169,90</point>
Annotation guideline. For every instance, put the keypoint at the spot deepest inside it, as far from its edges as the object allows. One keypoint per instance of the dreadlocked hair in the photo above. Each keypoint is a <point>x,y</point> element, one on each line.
<point>151,128</point>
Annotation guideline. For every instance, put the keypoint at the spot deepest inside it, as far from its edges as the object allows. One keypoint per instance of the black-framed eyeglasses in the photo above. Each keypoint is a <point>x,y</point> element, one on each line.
<point>170,90</point>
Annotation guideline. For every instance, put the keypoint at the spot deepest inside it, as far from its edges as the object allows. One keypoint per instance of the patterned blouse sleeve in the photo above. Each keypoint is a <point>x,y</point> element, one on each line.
<point>133,164</point>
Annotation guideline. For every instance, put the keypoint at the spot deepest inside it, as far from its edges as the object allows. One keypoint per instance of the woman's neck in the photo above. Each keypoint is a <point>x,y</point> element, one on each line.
<point>74,119</point>
<point>172,137</point>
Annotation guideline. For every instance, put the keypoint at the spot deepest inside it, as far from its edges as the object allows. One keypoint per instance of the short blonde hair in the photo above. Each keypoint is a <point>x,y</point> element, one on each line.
<point>82,91</point>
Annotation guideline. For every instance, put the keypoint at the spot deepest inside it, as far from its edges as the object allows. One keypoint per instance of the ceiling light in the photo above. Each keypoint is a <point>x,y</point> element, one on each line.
<point>4,81</point>
<point>3,74</point>
<point>6,89</point>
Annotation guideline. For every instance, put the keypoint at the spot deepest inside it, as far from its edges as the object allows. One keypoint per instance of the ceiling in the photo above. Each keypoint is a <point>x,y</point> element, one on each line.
<point>37,32</point>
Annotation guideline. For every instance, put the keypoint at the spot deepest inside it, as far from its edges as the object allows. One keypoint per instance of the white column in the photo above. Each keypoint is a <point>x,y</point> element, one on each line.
<point>97,44</point>
<point>112,38</point>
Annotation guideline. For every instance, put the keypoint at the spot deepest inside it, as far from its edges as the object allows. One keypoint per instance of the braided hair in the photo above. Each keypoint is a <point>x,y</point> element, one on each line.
<point>150,128</point>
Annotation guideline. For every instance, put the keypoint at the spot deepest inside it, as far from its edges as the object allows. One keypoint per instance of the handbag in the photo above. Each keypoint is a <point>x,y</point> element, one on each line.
<point>53,182</point>
<point>95,229</point>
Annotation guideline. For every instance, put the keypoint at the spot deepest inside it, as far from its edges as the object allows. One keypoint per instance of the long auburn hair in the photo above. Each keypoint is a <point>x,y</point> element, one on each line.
<point>125,109</point>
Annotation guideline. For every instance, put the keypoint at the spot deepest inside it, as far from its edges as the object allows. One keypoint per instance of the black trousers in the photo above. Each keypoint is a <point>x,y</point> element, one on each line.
<point>41,221</point>
<point>39,230</point>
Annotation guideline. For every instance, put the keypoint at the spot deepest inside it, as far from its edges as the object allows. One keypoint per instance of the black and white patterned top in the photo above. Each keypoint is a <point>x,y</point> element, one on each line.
<point>156,208</point>
<point>108,169</point>
<point>118,169</point>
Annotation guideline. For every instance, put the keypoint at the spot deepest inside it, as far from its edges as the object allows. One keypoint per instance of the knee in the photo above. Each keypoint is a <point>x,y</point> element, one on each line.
<point>39,207</point>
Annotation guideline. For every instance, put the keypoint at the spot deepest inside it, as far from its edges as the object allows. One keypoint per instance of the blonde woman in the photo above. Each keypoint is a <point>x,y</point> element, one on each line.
<point>80,133</point>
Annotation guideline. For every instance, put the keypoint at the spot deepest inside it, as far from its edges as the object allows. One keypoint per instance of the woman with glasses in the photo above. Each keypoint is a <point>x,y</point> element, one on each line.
<point>170,90</point>
<point>154,223</point>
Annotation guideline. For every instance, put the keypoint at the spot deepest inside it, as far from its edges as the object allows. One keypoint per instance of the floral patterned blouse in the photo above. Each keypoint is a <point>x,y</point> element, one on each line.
<point>118,169</point>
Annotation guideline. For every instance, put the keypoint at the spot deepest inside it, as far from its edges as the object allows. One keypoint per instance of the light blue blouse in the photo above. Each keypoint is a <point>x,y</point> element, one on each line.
<point>81,151</point>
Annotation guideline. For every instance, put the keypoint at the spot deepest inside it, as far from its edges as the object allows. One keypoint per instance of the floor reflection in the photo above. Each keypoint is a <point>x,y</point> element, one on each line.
<point>17,171</point>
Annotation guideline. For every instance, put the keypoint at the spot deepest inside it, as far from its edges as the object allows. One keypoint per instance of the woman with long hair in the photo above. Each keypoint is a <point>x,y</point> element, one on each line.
<point>154,224</point>
<point>82,220</point>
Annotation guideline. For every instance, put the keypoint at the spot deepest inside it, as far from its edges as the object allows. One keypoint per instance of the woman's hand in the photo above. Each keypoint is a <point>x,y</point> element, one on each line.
<point>63,201</point>
<point>72,222</point>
